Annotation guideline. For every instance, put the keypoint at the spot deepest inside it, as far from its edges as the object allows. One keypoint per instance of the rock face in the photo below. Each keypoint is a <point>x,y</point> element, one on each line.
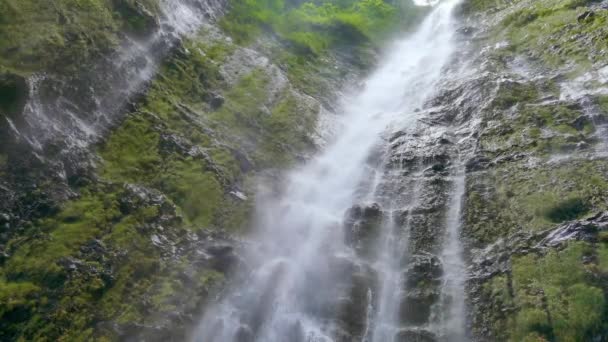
<point>531,143</point>
<point>527,206</point>
<point>122,223</point>
<point>120,191</point>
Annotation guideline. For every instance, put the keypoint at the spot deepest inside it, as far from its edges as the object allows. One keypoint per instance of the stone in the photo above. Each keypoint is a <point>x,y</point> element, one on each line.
<point>415,335</point>
<point>13,94</point>
<point>360,225</point>
<point>585,16</point>
<point>216,101</point>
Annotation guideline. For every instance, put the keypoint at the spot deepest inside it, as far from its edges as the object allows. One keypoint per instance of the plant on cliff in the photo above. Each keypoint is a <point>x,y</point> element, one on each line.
<point>313,27</point>
<point>62,34</point>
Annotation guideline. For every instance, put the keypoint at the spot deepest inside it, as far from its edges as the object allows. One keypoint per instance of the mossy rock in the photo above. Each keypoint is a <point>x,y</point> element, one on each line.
<point>539,301</point>
<point>67,34</point>
<point>13,94</point>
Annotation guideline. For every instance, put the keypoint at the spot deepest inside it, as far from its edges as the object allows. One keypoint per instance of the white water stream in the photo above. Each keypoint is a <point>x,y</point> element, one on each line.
<point>77,111</point>
<point>291,283</point>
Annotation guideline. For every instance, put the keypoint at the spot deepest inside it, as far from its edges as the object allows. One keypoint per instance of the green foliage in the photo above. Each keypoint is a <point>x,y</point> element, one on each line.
<point>544,128</point>
<point>78,222</point>
<point>540,301</point>
<point>288,127</point>
<point>15,295</point>
<point>313,27</point>
<point>62,34</point>
<point>132,151</point>
<point>519,197</point>
<point>196,191</point>
<point>471,6</point>
<point>53,295</point>
<point>553,304</point>
<point>603,103</point>
<point>514,93</point>
<point>550,32</point>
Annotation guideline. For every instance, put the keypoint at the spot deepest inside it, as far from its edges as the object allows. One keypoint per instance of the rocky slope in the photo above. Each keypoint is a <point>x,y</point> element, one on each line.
<point>126,171</point>
<point>125,187</point>
<point>535,199</point>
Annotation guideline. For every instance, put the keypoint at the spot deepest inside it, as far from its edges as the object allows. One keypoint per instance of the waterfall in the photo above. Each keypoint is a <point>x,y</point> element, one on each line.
<point>452,302</point>
<point>298,269</point>
<point>75,110</point>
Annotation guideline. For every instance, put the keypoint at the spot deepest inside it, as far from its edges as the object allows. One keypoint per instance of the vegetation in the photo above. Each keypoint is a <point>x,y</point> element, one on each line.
<point>555,33</point>
<point>514,198</point>
<point>97,258</point>
<point>38,36</point>
<point>313,27</point>
<point>544,303</point>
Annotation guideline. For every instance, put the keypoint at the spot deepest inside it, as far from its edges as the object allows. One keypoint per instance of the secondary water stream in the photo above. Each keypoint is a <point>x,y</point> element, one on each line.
<point>76,111</point>
<point>298,266</point>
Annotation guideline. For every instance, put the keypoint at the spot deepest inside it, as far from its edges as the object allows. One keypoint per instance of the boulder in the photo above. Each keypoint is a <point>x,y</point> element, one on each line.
<point>415,335</point>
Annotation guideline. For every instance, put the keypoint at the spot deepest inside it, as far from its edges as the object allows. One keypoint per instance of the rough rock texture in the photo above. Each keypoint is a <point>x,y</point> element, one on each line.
<point>121,200</point>
<point>536,179</point>
<point>119,224</point>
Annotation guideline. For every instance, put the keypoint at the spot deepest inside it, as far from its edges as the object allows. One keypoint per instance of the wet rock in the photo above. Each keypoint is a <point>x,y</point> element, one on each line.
<point>353,312</point>
<point>466,30</point>
<point>585,16</point>
<point>245,163</point>
<point>137,196</point>
<point>216,101</point>
<point>415,335</point>
<point>421,288</point>
<point>244,334</point>
<point>218,255</point>
<point>361,225</point>
<point>397,135</point>
<point>94,248</point>
<point>584,230</point>
<point>477,163</point>
<point>13,94</point>
<point>580,122</point>
<point>415,308</point>
<point>423,267</point>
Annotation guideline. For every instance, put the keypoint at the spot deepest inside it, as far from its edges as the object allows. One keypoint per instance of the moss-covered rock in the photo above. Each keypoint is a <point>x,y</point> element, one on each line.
<point>535,299</point>
<point>38,36</point>
<point>517,197</point>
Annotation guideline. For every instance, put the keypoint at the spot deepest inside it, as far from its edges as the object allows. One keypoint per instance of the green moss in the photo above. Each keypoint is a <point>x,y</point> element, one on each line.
<point>195,190</point>
<point>516,197</point>
<point>78,222</point>
<point>514,93</point>
<point>553,304</point>
<point>313,27</point>
<point>602,253</point>
<point>131,152</point>
<point>209,278</point>
<point>603,103</point>
<point>288,128</point>
<point>550,32</point>
<point>59,289</point>
<point>472,6</point>
<point>63,34</point>
<point>163,295</point>
<point>242,112</point>
<point>544,129</point>
<point>17,295</point>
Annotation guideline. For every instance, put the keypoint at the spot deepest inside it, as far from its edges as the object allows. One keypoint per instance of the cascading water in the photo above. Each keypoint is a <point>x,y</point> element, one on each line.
<point>73,112</point>
<point>452,315</point>
<point>296,274</point>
